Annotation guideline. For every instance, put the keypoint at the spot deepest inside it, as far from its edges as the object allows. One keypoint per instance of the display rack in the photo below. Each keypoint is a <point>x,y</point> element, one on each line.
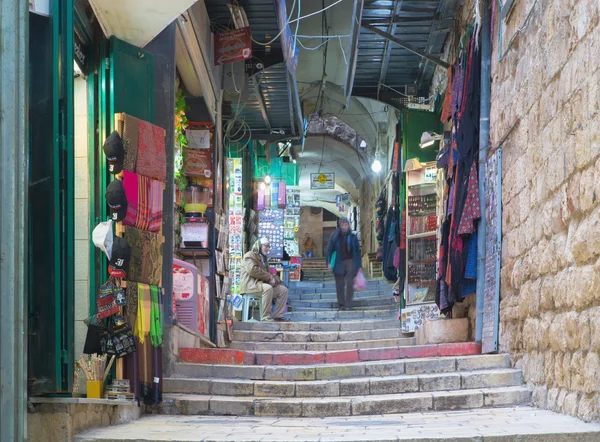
<point>422,242</point>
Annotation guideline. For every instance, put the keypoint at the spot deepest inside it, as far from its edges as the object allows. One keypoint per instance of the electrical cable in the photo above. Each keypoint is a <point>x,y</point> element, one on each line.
<point>515,35</point>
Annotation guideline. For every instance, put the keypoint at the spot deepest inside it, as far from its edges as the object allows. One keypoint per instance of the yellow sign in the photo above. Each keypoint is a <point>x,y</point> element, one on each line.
<point>322,179</point>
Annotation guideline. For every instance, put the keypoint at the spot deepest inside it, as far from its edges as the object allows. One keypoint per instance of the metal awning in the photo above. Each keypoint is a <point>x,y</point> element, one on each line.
<point>137,21</point>
<point>422,25</point>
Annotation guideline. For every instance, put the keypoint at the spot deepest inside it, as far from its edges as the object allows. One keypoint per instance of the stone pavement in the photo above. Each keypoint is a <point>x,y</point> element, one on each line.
<point>485,425</point>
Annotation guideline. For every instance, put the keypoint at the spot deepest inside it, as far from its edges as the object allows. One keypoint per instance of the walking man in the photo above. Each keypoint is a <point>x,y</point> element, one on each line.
<point>344,259</point>
<point>257,280</point>
<point>309,246</point>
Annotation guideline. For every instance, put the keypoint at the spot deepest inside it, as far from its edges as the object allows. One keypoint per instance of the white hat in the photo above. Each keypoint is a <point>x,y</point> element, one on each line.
<point>102,236</point>
<point>264,241</point>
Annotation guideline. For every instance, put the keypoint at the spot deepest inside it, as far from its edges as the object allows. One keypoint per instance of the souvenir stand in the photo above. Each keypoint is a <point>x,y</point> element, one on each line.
<point>137,159</point>
<point>204,235</point>
<point>422,244</point>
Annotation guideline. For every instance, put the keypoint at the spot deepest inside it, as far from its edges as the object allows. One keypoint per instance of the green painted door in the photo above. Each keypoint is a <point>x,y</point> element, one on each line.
<point>132,79</point>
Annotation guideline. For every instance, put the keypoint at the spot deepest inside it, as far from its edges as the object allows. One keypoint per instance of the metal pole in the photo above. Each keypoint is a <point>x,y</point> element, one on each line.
<point>14,32</point>
<point>484,132</point>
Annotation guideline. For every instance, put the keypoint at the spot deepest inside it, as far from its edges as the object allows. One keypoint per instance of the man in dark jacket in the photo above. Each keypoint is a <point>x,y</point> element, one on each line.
<point>344,259</point>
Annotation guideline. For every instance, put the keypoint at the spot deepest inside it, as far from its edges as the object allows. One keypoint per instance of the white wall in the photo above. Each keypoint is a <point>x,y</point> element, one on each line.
<point>82,214</point>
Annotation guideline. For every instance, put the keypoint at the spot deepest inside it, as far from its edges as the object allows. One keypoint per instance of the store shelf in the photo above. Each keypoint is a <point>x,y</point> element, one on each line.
<point>421,235</point>
<point>195,252</point>
<point>419,303</point>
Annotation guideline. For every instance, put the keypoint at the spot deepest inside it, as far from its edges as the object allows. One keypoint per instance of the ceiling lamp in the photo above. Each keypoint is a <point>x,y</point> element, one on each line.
<point>376,166</point>
<point>428,139</point>
<point>268,179</point>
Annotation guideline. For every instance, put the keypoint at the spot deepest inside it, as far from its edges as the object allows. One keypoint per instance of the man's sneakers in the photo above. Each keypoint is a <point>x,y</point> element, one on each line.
<point>266,319</point>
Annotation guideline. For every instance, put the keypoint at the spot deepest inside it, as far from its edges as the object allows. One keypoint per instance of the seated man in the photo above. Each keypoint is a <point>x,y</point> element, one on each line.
<point>257,280</point>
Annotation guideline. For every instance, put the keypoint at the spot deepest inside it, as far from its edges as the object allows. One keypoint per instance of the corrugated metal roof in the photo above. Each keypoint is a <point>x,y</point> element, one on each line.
<point>274,89</point>
<point>426,27</point>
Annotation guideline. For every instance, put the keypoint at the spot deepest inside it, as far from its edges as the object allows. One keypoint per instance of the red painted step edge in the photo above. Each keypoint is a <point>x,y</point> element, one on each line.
<point>242,357</point>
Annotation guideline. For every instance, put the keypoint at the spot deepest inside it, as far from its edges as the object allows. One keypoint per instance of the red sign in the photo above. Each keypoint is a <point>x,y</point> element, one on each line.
<point>233,46</point>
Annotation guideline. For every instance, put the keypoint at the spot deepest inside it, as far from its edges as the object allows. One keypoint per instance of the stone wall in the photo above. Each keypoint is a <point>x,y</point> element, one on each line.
<point>545,115</point>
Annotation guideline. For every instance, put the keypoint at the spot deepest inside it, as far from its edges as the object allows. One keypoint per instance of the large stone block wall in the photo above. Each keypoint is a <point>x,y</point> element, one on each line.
<point>545,116</point>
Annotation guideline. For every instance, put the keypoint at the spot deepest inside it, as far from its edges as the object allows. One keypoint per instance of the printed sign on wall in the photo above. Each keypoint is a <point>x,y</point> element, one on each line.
<point>322,181</point>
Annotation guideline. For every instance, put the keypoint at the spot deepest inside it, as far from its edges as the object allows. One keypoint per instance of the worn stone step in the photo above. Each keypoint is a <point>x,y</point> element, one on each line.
<point>315,336</point>
<point>356,312</point>
<point>337,315</point>
<point>331,296</point>
<point>505,424</point>
<point>359,303</point>
<point>331,285</point>
<point>372,324</point>
<point>320,372</point>
<point>321,346</point>
<point>188,404</point>
<point>364,386</point>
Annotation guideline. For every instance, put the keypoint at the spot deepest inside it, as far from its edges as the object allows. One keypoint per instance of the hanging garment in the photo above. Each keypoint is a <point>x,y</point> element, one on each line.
<point>390,244</point>
<point>130,142</point>
<point>143,216</point>
<point>151,158</point>
<point>447,106</point>
<point>471,211</point>
<point>156,206</point>
<point>143,318</point>
<point>156,327</point>
<point>146,256</point>
<point>130,184</point>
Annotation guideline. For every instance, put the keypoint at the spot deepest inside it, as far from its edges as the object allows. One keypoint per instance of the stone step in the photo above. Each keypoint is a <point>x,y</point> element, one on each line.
<point>322,346</point>
<point>356,303</point>
<point>188,404</point>
<point>374,324</point>
<point>373,283</point>
<point>320,372</point>
<point>315,336</point>
<point>329,307</point>
<point>337,315</point>
<point>333,297</point>
<point>365,386</point>
<point>507,424</point>
<point>248,357</point>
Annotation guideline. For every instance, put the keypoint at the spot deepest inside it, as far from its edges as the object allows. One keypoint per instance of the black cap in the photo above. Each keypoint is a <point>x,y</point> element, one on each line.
<point>115,152</point>
<point>116,200</point>
<point>120,257</point>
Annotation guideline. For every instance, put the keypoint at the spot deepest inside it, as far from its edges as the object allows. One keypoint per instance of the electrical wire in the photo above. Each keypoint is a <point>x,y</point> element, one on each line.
<point>516,34</point>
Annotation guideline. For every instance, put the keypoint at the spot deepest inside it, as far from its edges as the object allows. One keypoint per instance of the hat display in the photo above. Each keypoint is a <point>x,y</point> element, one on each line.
<point>102,236</point>
<point>120,257</point>
<point>115,152</point>
<point>116,200</point>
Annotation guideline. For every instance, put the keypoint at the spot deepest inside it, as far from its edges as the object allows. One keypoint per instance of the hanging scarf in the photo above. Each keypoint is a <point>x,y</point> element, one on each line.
<point>143,319</point>
<point>156,334</point>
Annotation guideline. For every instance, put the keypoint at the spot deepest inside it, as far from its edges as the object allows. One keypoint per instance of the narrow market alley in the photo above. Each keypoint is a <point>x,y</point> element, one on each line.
<point>315,220</point>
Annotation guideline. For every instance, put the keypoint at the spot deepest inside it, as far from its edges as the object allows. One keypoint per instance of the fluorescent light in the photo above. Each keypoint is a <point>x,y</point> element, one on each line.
<point>268,179</point>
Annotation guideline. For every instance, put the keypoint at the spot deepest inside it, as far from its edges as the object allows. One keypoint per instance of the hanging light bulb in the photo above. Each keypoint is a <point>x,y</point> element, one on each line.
<point>376,166</point>
<point>268,179</point>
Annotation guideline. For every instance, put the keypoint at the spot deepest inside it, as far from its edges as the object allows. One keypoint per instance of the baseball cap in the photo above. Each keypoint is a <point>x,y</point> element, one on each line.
<point>103,237</point>
<point>264,241</point>
<point>114,151</point>
<point>116,200</point>
<point>120,257</point>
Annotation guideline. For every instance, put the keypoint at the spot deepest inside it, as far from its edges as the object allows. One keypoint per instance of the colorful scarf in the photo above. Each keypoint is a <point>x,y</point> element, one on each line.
<point>130,141</point>
<point>143,319</point>
<point>130,184</point>
<point>156,326</point>
<point>151,157</point>
<point>156,206</point>
<point>146,256</point>
<point>143,218</point>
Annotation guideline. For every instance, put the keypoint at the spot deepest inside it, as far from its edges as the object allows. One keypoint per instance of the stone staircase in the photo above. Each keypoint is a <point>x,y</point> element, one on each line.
<point>297,380</point>
<point>316,269</point>
<point>330,363</point>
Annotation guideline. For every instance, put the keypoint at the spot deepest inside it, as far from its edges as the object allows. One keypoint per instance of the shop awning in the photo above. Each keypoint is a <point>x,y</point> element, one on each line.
<point>137,21</point>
